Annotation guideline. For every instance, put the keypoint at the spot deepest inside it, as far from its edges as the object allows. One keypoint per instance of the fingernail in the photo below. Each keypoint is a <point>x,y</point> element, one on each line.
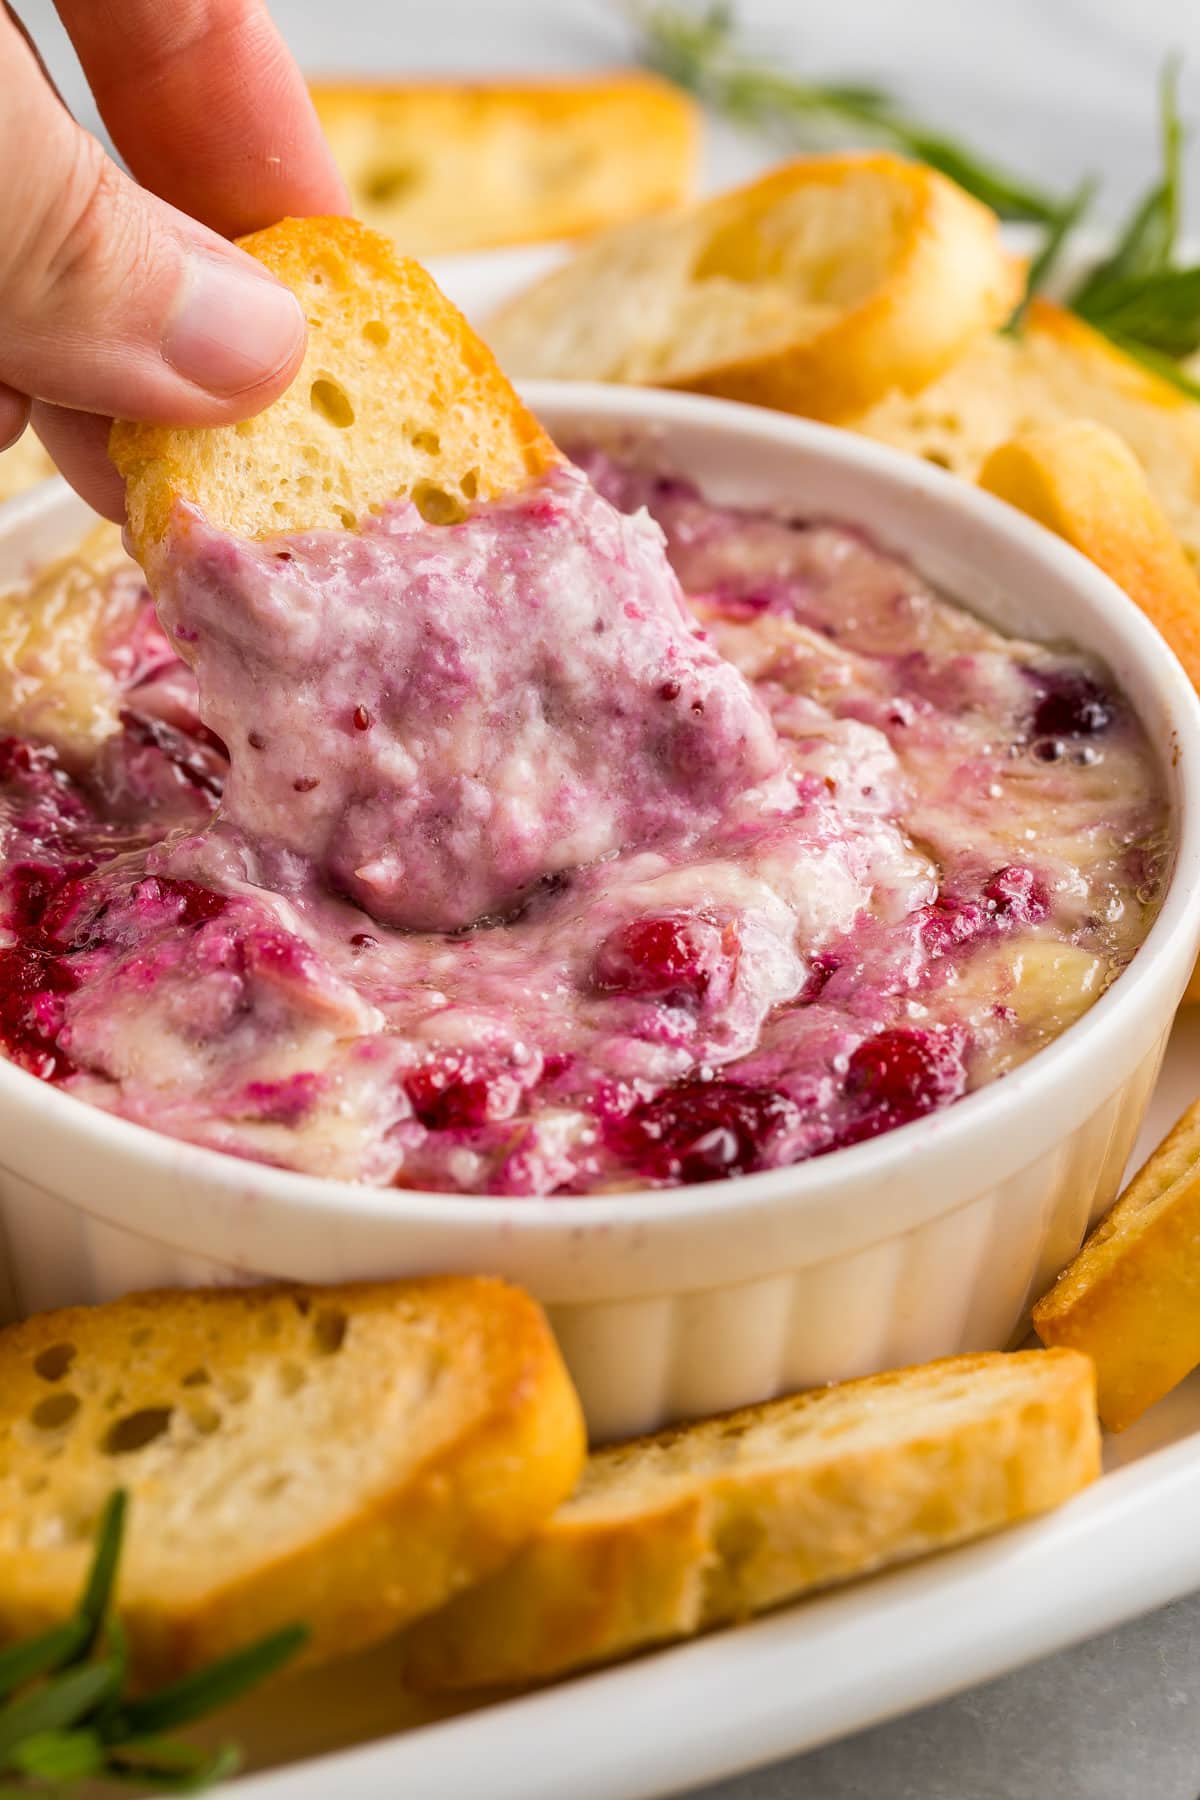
<point>231,328</point>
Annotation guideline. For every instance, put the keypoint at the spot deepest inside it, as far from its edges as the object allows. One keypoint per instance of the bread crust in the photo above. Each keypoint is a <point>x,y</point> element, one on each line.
<point>1082,481</point>
<point>396,396</point>
<point>451,1433</point>
<point>444,166</point>
<point>689,1529</point>
<point>1131,1298</point>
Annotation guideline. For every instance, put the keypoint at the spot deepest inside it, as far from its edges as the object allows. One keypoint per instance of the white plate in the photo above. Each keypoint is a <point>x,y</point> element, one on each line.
<point>810,1673</point>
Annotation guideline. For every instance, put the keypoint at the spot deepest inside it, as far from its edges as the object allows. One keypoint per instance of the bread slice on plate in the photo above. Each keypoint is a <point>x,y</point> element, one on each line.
<point>691,1528</point>
<point>1131,1298</point>
<point>816,290</point>
<point>396,396</point>
<point>445,166</point>
<point>1057,369</point>
<point>1084,482</point>
<point>342,1457</point>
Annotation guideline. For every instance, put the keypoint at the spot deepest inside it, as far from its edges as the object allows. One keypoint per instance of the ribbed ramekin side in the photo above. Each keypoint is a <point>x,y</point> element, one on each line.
<point>963,1280</point>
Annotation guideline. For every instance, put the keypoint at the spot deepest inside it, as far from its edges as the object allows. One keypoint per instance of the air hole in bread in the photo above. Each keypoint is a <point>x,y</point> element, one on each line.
<point>938,458</point>
<point>141,1337</point>
<point>136,1430</point>
<point>435,505</point>
<point>55,1411</point>
<point>470,484</point>
<point>273,1486</point>
<point>235,1388</point>
<point>347,517</point>
<point>331,402</point>
<point>429,441</point>
<point>377,333</point>
<point>198,1377</point>
<point>291,1377</point>
<point>53,1362</point>
<point>206,1419</point>
<point>302,1304</point>
<point>390,181</point>
<point>329,1330</point>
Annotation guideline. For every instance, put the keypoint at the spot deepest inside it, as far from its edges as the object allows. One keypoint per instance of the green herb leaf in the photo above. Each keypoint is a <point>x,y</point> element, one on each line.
<point>23,1663</point>
<point>218,1684</point>
<point>1147,244</point>
<point>1161,311</point>
<point>60,1702</point>
<point>172,1767</point>
<point>97,1593</point>
<point>59,1756</point>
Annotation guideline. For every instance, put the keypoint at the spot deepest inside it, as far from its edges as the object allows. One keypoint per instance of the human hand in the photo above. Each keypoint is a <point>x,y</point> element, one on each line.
<point>125,300</point>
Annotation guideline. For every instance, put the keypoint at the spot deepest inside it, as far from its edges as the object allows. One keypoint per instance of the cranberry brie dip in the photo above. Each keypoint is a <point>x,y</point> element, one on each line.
<point>544,867</point>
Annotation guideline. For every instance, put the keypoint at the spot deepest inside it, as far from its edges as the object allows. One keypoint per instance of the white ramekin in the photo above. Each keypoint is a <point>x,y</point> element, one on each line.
<point>923,1242</point>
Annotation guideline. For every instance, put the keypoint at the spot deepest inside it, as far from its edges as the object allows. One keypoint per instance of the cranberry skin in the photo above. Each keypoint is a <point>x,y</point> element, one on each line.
<point>1071,705</point>
<point>821,970</point>
<point>666,956</point>
<point>949,923</point>
<point>31,985</point>
<point>900,1075</point>
<point>703,1130</point>
<point>19,759</point>
<point>1015,893</point>
<point>197,904</point>
<point>453,1091</point>
<point>34,889</point>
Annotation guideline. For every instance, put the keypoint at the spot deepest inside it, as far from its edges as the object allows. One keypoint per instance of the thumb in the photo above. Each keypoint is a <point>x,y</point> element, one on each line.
<point>111,301</point>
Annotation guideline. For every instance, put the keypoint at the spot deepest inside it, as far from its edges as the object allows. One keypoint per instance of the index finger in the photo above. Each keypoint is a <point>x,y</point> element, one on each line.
<point>207,107</point>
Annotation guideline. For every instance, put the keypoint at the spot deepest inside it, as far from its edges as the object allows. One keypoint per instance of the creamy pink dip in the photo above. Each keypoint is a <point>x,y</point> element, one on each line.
<point>534,877</point>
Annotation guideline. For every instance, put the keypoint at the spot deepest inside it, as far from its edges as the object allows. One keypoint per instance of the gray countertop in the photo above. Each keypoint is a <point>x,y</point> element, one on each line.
<point>1056,87</point>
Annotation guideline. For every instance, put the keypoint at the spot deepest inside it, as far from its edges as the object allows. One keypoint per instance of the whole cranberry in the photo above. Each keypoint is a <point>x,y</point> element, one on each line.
<point>899,1075</point>
<point>670,954</point>
<point>703,1130</point>
<point>1071,705</point>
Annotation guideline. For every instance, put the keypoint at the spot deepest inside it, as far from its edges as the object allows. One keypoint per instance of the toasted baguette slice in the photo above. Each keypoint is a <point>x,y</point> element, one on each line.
<point>816,290</point>
<point>1082,481</point>
<point>1057,369</point>
<point>448,165</point>
<point>23,465</point>
<point>693,1528</point>
<point>347,1457</point>
<point>1131,1298</point>
<point>396,396</point>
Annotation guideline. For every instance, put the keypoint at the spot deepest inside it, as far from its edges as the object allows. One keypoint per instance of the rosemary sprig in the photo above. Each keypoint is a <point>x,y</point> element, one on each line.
<point>1147,245</point>
<point>698,49</point>
<point>63,1714</point>
<point>1137,297</point>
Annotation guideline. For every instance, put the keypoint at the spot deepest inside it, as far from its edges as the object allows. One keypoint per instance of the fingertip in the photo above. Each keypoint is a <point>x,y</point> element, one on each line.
<point>78,443</point>
<point>14,415</point>
<point>234,330</point>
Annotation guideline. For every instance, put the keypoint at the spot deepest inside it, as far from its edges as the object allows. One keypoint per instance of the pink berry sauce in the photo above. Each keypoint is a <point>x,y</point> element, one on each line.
<point>547,865</point>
